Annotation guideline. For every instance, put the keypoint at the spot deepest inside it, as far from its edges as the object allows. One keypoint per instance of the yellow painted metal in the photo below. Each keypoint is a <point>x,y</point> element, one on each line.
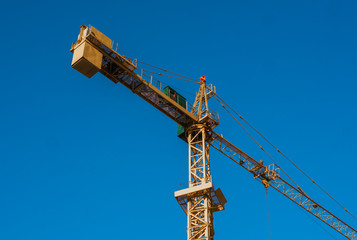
<point>89,51</point>
<point>136,83</point>
<point>221,199</point>
<point>86,59</point>
<point>101,37</point>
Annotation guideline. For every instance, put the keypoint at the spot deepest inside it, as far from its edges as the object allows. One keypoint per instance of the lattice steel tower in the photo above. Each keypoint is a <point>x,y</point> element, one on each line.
<point>200,200</point>
<point>94,52</point>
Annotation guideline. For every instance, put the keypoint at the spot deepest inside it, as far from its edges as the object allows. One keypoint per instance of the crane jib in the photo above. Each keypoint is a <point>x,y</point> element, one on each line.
<point>272,176</point>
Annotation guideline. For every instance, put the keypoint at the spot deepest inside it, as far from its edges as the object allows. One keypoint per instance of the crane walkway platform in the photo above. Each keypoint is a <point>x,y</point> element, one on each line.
<point>216,196</point>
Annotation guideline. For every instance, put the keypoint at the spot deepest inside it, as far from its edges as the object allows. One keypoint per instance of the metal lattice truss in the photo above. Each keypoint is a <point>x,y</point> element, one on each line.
<point>200,106</point>
<point>117,69</point>
<point>199,213</point>
<point>199,218</point>
<point>200,200</point>
<point>199,163</point>
<point>270,176</point>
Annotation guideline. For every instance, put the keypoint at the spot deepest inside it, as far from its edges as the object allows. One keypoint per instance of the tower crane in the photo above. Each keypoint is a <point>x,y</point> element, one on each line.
<point>94,52</point>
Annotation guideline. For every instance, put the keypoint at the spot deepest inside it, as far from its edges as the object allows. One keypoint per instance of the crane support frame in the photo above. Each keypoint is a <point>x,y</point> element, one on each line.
<point>199,121</point>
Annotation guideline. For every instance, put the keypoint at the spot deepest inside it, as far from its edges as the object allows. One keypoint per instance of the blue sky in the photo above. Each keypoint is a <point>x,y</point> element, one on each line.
<point>87,159</point>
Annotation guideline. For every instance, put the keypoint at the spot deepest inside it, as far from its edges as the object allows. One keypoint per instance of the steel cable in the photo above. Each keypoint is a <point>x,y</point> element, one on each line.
<point>176,88</point>
<point>314,182</point>
<point>261,135</point>
<point>161,74</point>
<point>258,143</point>
<point>268,215</point>
<point>165,70</point>
<point>313,219</point>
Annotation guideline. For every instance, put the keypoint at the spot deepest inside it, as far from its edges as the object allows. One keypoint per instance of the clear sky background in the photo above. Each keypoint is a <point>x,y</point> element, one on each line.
<point>87,159</point>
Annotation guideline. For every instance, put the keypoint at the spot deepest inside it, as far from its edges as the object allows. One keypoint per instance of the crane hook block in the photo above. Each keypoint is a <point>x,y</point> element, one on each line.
<point>265,183</point>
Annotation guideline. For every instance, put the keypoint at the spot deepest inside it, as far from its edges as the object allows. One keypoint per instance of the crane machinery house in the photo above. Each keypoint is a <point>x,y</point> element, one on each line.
<point>180,100</point>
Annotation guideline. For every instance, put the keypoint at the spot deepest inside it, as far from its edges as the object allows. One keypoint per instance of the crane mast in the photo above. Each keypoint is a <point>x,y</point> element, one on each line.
<point>94,52</point>
<point>200,199</point>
